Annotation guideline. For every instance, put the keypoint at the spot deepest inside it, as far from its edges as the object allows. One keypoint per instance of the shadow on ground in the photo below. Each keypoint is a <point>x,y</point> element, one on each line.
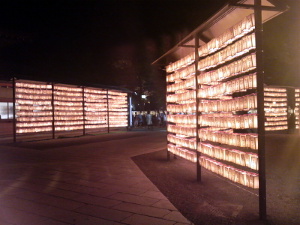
<point>218,201</point>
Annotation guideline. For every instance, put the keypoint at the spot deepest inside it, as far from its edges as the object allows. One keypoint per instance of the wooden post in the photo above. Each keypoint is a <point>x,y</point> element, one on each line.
<point>260,109</point>
<point>14,111</point>
<point>107,110</point>
<point>83,112</point>
<point>197,106</point>
<point>53,112</point>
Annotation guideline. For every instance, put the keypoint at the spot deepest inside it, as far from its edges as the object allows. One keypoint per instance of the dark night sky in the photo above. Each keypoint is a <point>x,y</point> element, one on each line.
<point>113,41</point>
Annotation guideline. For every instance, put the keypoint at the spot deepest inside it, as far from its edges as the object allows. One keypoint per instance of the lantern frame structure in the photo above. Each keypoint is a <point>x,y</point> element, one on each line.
<point>50,107</point>
<point>215,94</point>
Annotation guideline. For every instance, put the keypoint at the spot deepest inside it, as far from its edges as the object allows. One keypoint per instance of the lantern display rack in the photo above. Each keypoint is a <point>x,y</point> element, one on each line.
<point>297,106</point>
<point>276,108</point>
<point>226,91</point>
<point>43,107</point>
<point>227,99</point>
<point>68,99</point>
<point>117,108</point>
<point>33,106</point>
<point>95,103</point>
<point>181,99</point>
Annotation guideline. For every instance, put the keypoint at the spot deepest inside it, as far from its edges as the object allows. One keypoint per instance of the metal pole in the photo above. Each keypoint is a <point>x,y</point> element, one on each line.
<point>83,112</point>
<point>14,111</point>
<point>53,112</point>
<point>129,100</point>
<point>107,110</point>
<point>260,109</point>
<point>197,106</point>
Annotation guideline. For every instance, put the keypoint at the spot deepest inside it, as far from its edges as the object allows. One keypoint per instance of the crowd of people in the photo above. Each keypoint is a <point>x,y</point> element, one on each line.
<point>149,120</point>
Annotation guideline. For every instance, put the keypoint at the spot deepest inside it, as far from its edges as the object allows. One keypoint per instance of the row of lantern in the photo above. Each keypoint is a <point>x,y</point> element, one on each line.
<point>229,36</point>
<point>275,114</point>
<point>237,85</point>
<point>24,92</point>
<point>180,130</point>
<point>95,126</point>
<point>21,84</point>
<point>238,157</point>
<point>33,102</point>
<point>271,99</point>
<point>274,89</point>
<point>94,92</point>
<point>95,121</point>
<point>236,104</point>
<point>68,123</point>
<point>276,123</point>
<point>68,128</point>
<point>189,83</point>
<point>182,119</point>
<point>31,88</point>
<point>246,121</point>
<point>68,94</point>
<point>33,130</point>
<point>184,142</point>
<point>117,94</point>
<point>184,108</point>
<point>275,104</point>
<point>32,96</point>
<point>184,153</point>
<point>274,128</point>
<point>239,176</point>
<point>275,94</point>
<point>182,97</point>
<point>67,89</point>
<point>249,140</point>
<point>34,119</point>
<point>276,110</point>
<point>22,108</point>
<point>181,74</point>
<point>183,62</point>
<point>35,124</point>
<point>231,52</point>
<point>118,123</point>
<point>237,67</point>
<point>278,118</point>
<point>34,114</point>
<point>237,31</point>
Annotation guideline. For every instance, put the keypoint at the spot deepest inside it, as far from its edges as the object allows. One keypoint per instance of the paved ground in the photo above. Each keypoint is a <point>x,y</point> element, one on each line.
<point>216,200</point>
<point>96,180</point>
<point>88,180</point>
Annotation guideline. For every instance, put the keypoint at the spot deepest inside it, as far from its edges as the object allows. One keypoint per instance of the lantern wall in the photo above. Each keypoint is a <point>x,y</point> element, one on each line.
<point>43,107</point>
<point>227,103</point>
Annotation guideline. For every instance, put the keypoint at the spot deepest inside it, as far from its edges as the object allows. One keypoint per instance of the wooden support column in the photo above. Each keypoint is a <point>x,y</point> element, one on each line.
<point>198,168</point>
<point>260,109</point>
<point>14,111</point>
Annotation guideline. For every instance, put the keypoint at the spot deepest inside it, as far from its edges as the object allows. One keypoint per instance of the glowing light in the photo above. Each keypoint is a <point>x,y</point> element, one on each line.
<point>182,152</point>
<point>72,107</point>
<point>239,176</point>
<point>275,108</point>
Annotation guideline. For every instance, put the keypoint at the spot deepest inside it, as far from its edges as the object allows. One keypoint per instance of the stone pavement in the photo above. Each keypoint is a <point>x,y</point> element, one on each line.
<point>86,180</point>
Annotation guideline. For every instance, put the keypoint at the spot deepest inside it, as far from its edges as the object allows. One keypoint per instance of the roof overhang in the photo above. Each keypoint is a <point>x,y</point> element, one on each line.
<point>231,13</point>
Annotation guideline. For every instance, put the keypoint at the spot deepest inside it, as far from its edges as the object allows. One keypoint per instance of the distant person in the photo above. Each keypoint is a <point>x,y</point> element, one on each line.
<point>136,120</point>
<point>140,116</point>
<point>149,120</point>
<point>158,118</point>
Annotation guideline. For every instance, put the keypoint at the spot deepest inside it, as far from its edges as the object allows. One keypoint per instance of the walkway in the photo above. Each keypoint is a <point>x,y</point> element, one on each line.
<point>87,180</point>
